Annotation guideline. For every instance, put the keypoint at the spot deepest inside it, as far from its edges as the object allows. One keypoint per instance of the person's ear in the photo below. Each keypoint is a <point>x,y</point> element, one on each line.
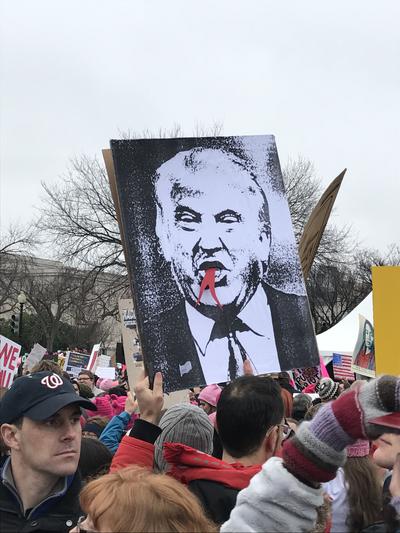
<point>11,436</point>
<point>272,441</point>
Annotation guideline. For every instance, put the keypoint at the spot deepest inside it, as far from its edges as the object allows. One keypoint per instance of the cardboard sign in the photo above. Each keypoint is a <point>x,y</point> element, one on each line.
<point>75,362</point>
<point>364,352</point>
<point>34,356</point>
<point>316,224</point>
<point>9,353</point>
<point>386,301</point>
<point>212,258</point>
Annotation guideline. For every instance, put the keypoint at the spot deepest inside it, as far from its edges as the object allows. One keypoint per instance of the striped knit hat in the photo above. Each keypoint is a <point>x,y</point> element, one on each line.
<point>327,389</point>
<point>187,424</point>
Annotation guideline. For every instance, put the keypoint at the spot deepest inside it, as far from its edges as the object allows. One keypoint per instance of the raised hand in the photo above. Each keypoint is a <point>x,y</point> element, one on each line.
<point>150,401</point>
<point>131,404</point>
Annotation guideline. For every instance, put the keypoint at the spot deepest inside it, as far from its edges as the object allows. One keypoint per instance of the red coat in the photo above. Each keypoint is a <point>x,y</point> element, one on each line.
<point>133,451</point>
<point>187,464</point>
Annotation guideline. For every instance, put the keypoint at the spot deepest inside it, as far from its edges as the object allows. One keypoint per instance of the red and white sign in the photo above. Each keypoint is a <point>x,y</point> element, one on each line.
<point>93,357</point>
<point>9,353</point>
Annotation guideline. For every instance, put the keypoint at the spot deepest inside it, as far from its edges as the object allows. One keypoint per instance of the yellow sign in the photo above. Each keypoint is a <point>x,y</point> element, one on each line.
<point>386,300</point>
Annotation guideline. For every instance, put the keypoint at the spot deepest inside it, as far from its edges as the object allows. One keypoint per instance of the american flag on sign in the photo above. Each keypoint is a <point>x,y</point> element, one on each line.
<point>342,366</point>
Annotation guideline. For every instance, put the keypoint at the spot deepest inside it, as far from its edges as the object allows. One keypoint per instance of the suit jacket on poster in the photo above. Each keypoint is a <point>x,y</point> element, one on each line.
<point>169,333</point>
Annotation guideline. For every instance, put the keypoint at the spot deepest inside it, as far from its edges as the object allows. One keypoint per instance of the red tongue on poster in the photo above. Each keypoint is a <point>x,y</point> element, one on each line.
<point>209,282</point>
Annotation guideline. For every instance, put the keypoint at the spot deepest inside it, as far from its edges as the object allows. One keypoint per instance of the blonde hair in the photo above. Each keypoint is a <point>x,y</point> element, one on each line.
<point>135,499</point>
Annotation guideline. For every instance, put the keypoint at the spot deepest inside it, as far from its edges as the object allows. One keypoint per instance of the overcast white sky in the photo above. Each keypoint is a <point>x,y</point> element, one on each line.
<point>323,77</point>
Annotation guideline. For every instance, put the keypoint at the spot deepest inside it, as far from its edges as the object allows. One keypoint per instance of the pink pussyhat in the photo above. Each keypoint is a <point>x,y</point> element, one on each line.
<point>210,394</point>
<point>104,407</point>
<point>106,384</point>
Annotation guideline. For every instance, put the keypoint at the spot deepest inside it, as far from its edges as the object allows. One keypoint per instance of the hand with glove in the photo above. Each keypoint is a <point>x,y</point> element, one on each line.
<point>318,449</point>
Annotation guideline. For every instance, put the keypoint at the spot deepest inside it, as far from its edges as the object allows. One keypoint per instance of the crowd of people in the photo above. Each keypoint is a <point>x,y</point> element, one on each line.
<point>255,454</point>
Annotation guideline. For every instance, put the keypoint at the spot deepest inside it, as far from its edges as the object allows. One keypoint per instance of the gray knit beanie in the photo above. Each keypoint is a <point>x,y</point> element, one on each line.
<point>187,424</point>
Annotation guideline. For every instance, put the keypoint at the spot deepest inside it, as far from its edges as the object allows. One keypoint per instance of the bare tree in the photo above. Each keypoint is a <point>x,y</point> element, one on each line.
<point>17,240</point>
<point>58,294</point>
<point>366,258</point>
<point>199,130</point>
<point>15,243</point>
<point>78,215</point>
<point>333,292</point>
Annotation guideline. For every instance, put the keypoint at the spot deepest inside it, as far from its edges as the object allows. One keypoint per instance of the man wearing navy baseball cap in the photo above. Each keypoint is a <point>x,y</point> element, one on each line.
<point>39,482</point>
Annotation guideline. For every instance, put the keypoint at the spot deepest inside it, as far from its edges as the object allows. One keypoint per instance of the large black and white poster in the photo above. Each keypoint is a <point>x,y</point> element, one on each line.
<point>213,259</point>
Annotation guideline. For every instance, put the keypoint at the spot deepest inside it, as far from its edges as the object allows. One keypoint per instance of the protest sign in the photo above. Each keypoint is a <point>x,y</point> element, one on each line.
<point>75,362</point>
<point>93,356</point>
<point>306,376</point>
<point>34,356</point>
<point>103,361</point>
<point>9,353</point>
<point>130,340</point>
<point>386,301</point>
<point>364,352</point>
<point>209,296</point>
<point>105,372</point>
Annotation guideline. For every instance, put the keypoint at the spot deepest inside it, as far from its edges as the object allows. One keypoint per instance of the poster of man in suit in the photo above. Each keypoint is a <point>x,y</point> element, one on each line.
<point>212,258</point>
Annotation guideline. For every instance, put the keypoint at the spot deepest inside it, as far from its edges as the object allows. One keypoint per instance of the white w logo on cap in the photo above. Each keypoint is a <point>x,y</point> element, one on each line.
<point>52,382</point>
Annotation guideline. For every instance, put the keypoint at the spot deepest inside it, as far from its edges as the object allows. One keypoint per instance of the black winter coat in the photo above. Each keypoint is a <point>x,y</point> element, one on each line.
<point>61,515</point>
<point>216,499</point>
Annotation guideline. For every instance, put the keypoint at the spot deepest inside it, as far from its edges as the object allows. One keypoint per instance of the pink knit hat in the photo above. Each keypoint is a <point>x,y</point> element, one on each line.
<point>211,394</point>
<point>106,384</point>
<point>117,403</point>
<point>103,405</point>
<point>359,449</point>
